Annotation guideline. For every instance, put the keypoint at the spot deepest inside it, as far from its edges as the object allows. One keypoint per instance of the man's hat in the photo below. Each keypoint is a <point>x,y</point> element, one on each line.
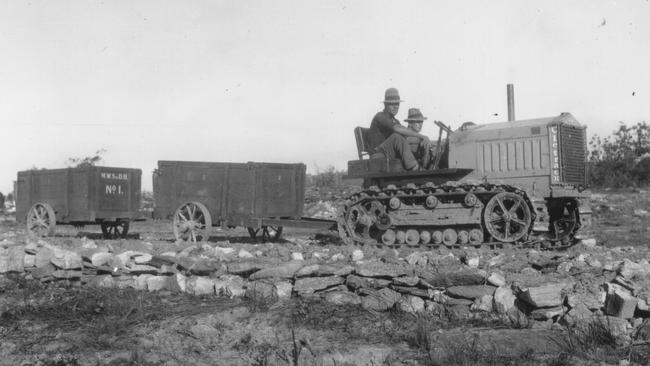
<point>415,116</point>
<point>392,96</point>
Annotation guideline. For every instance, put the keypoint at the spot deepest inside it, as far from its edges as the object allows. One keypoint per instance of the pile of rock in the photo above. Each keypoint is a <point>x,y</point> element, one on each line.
<point>421,282</point>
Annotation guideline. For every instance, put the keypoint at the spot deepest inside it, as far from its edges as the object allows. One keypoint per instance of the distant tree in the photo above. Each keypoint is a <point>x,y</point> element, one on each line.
<point>622,159</point>
<point>86,161</point>
<point>147,202</point>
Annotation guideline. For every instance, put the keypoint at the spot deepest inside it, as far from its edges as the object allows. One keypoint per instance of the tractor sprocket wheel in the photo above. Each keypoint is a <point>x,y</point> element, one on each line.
<point>507,217</point>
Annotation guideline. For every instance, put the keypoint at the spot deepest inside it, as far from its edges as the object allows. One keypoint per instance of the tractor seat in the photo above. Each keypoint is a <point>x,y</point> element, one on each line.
<point>377,162</point>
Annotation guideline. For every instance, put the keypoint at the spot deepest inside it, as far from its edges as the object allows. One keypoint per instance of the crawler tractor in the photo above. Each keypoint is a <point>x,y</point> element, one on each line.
<point>518,183</point>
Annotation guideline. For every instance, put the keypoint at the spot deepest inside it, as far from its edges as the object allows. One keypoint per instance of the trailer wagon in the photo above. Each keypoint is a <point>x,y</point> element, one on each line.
<point>81,196</point>
<point>263,197</point>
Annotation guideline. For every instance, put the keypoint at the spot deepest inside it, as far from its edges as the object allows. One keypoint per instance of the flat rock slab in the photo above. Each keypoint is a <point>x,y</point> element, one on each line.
<point>245,268</point>
<point>321,270</point>
<point>343,298</point>
<point>205,267</point>
<point>547,313</point>
<point>382,270</point>
<point>470,292</point>
<point>286,270</point>
<point>380,300</point>
<point>448,278</point>
<point>548,295</point>
<point>415,291</point>
<point>406,281</point>
<point>356,282</point>
<point>159,260</point>
<point>309,285</point>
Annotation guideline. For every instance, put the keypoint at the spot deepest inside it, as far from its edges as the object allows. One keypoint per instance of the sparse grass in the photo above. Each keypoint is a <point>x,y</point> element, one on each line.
<point>592,340</point>
<point>101,318</point>
<point>257,302</point>
<point>60,361</point>
<point>473,352</point>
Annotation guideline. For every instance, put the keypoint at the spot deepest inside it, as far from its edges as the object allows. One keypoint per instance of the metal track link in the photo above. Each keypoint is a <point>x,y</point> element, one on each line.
<point>404,216</point>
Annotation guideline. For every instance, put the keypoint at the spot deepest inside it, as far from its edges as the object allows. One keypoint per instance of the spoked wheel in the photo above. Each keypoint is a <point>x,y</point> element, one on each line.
<point>270,233</point>
<point>253,232</point>
<point>192,222</point>
<point>507,217</point>
<point>115,230</point>
<point>41,220</point>
<point>564,220</point>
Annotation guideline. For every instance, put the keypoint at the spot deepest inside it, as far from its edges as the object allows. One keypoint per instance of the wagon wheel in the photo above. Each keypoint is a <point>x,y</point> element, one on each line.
<point>192,222</point>
<point>41,220</point>
<point>271,233</point>
<point>115,230</point>
<point>507,217</point>
<point>253,232</point>
<point>564,220</point>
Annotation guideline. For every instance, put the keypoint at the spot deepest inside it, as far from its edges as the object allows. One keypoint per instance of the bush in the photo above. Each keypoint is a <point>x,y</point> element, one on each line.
<point>330,177</point>
<point>622,159</point>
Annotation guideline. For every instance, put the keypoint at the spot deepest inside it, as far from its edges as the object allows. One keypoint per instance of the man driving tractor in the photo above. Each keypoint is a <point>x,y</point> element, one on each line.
<point>387,137</point>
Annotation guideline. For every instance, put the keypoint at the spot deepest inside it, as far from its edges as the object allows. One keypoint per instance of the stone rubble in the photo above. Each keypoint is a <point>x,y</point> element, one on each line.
<point>546,288</point>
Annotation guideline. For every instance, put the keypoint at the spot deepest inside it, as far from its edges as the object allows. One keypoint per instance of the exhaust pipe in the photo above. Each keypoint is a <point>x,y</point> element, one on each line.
<point>511,102</point>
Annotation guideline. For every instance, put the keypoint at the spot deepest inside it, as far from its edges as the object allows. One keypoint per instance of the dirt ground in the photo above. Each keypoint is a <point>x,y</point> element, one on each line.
<point>64,323</point>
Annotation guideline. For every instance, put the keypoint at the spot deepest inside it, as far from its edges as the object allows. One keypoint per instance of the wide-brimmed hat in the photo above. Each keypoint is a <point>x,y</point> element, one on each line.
<point>415,116</point>
<point>391,96</point>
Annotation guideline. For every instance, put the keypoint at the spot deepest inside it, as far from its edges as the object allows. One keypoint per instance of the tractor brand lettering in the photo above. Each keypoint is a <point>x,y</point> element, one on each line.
<point>114,189</point>
<point>555,156</point>
<point>116,176</point>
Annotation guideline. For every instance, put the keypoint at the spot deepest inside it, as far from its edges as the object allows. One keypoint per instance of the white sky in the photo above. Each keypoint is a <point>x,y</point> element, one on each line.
<point>287,81</point>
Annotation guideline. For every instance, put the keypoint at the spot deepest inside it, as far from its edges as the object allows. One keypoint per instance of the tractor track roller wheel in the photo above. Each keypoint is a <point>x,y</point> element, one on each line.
<point>425,237</point>
<point>470,200</point>
<point>388,238</point>
<point>475,236</point>
<point>463,237</point>
<point>436,237</point>
<point>449,237</point>
<point>394,203</point>
<point>431,202</point>
<point>400,237</point>
<point>412,237</point>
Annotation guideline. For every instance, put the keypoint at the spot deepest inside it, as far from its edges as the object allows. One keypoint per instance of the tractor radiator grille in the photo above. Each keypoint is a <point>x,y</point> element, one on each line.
<point>573,152</point>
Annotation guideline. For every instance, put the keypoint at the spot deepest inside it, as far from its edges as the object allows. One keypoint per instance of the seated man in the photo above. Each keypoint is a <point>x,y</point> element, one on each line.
<point>388,137</point>
<point>422,151</point>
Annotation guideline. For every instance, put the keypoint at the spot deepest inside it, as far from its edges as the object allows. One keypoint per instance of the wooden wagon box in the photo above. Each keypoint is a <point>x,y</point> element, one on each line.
<point>78,196</point>
<point>227,194</point>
